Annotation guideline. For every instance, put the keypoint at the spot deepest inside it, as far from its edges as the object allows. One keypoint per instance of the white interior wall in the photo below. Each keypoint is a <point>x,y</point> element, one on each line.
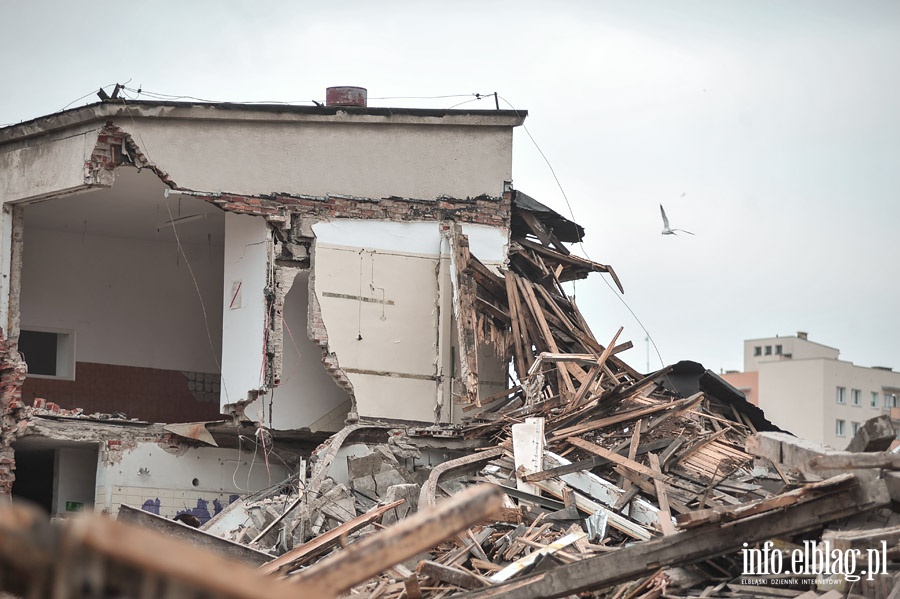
<point>387,344</point>
<point>147,472</point>
<point>307,392</point>
<point>244,311</point>
<point>387,350</point>
<point>131,301</point>
<point>75,480</point>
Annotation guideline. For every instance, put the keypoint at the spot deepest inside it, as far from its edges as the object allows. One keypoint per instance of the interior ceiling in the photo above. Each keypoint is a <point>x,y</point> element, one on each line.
<point>135,207</point>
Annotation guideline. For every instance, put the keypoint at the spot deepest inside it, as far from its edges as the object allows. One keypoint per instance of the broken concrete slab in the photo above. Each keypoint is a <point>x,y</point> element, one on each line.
<point>337,504</point>
<point>876,434</point>
<point>409,493</point>
<point>364,466</point>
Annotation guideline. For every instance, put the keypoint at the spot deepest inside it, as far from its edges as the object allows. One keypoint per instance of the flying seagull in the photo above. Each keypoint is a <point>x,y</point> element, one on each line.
<point>666,229</point>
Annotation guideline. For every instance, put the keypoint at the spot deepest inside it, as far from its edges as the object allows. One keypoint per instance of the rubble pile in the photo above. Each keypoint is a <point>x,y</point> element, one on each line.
<point>586,478</point>
<point>600,467</point>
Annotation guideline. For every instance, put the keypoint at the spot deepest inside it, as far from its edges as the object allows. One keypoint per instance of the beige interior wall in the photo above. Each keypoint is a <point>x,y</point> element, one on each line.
<point>388,350</point>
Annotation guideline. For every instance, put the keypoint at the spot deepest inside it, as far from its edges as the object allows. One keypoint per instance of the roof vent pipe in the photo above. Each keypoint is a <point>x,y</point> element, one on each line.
<point>346,95</point>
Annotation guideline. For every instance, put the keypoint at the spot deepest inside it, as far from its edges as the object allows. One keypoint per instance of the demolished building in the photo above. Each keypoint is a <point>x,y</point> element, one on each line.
<point>293,267</point>
<point>381,318</point>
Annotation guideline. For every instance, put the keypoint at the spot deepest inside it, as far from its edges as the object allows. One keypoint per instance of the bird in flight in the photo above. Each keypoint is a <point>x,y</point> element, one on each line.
<point>667,230</point>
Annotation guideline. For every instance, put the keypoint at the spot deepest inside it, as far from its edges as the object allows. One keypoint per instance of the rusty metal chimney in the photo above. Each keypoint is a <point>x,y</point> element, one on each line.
<point>346,95</point>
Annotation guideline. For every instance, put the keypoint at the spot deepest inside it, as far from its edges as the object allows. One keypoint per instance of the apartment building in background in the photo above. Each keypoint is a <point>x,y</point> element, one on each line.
<point>805,388</point>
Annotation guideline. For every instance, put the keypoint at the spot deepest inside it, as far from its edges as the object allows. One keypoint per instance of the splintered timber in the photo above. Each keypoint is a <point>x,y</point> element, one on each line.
<point>815,559</point>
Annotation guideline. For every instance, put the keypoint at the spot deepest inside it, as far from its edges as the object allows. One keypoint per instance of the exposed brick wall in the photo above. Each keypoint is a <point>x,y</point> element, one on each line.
<point>482,210</point>
<point>12,375</point>
<point>146,393</point>
<point>115,147</point>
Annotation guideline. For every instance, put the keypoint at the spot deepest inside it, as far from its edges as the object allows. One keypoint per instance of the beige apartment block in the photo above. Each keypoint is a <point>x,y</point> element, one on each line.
<point>805,388</point>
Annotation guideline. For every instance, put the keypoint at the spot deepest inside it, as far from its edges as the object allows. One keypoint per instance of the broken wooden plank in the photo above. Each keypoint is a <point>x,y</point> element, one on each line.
<point>591,463</point>
<point>648,486</point>
<point>700,444</point>
<point>616,458</point>
<point>681,548</point>
<point>523,562</point>
<point>718,515</point>
<point>615,419</point>
<point>519,343</point>
<point>541,232</point>
<point>419,532</point>
<point>852,461</point>
<point>450,575</point>
<point>570,260</point>
<point>665,514</point>
<point>603,494</point>
<point>538,315</point>
<point>552,357</point>
<point>635,440</point>
<point>302,554</point>
<point>594,372</point>
<point>632,451</point>
<point>488,280</point>
<point>482,305</point>
<point>691,403</point>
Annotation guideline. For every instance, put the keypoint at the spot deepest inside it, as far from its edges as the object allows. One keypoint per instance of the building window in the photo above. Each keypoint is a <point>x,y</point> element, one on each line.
<point>768,350</point>
<point>854,428</point>
<point>777,350</point>
<point>855,397</point>
<point>841,395</point>
<point>874,400</point>
<point>890,401</point>
<point>757,351</point>
<point>839,428</point>
<point>49,353</point>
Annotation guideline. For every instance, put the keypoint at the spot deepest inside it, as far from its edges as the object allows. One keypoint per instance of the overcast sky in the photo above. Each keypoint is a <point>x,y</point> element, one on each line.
<point>770,128</point>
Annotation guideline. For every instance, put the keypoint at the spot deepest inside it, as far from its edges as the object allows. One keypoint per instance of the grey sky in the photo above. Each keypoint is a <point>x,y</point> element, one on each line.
<point>778,120</point>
